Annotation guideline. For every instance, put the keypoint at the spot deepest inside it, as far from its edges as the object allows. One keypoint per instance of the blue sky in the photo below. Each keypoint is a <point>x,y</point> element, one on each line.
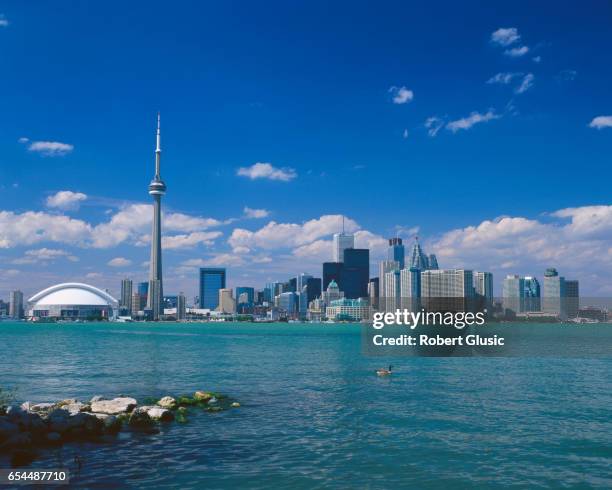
<point>336,100</point>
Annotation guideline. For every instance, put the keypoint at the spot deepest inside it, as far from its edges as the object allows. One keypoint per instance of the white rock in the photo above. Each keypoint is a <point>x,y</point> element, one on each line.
<point>167,402</point>
<point>41,407</point>
<point>115,406</point>
<point>155,413</point>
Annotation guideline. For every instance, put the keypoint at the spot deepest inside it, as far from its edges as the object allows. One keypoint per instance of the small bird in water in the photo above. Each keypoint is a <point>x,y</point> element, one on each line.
<point>384,372</point>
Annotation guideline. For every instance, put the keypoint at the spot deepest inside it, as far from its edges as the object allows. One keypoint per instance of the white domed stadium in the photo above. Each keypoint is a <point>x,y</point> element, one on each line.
<point>72,301</point>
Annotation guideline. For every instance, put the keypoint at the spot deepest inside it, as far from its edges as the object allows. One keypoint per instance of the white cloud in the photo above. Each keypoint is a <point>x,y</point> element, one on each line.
<point>517,52</point>
<point>505,36</point>
<point>34,227</point>
<point>190,240</point>
<point>288,235</point>
<point>469,121</point>
<point>601,122</point>
<point>405,134</point>
<point>119,262</point>
<point>526,84</point>
<point>3,21</point>
<point>23,140</point>
<point>44,255</point>
<point>401,95</point>
<point>433,125</point>
<point>261,170</point>
<point>66,200</point>
<point>255,213</point>
<point>537,59</point>
<point>503,78</point>
<point>579,248</point>
<point>50,148</point>
<point>567,75</point>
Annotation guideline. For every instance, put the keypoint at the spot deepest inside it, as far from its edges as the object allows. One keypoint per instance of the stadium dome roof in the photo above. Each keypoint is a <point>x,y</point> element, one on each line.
<point>73,293</point>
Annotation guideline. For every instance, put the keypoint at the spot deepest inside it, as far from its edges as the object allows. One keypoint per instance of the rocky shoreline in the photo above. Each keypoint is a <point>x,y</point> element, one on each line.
<point>27,428</point>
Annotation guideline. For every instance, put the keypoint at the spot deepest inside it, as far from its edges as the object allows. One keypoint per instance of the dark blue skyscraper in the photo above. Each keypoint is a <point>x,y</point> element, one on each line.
<point>331,271</point>
<point>396,251</point>
<point>355,273</point>
<point>211,280</point>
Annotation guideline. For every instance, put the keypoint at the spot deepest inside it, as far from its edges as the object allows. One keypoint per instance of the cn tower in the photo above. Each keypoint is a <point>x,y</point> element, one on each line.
<point>157,189</point>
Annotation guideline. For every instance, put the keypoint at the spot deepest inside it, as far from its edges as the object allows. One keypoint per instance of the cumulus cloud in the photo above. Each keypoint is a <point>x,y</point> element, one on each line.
<point>517,52</point>
<point>44,255</point>
<point>119,262</point>
<point>289,235</point>
<point>3,21</point>
<point>433,125</point>
<point>261,170</point>
<point>505,36</point>
<point>190,240</point>
<point>576,242</point>
<point>35,227</point>
<point>49,148</point>
<point>401,95</point>
<point>66,200</point>
<point>537,59</point>
<point>526,84</point>
<point>474,118</point>
<point>255,213</point>
<point>601,122</point>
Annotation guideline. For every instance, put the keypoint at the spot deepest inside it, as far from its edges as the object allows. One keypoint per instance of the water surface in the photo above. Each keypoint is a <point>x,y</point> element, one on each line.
<point>313,412</point>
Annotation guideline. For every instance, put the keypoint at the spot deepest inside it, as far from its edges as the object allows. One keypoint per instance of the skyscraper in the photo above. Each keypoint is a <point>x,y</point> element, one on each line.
<point>342,241</point>
<point>483,286</point>
<point>396,251</point>
<point>331,272</point>
<point>181,307</point>
<point>418,259</point>
<point>572,298</point>
<point>513,293</point>
<point>355,273</point>
<point>553,299</point>
<point>227,303</point>
<point>384,267</point>
<point>447,290</point>
<point>532,294</point>
<point>16,304</point>
<point>125,303</point>
<point>410,289</point>
<point>157,189</point>
<point>212,279</point>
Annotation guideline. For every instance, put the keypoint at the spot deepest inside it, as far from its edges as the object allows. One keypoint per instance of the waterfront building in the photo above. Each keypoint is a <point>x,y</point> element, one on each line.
<point>331,272</point>
<point>125,301</point>
<point>227,303</point>
<point>396,251</point>
<point>16,304</point>
<point>181,306</point>
<point>513,294</point>
<point>572,298</point>
<point>553,298</point>
<point>291,285</point>
<point>245,297</point>
<point>316,310</point>
<point>532,294</point>
<point>170,302</point>
<point>138,304</point>
<point>345,309</point>
<point>313,285</point>
<point>72,301</point>
<point>384,267</point>
<point>355,273</point>
<point>418,259</point>
<point>410,289</point>
<point>212,279</point>
<point>392,291</point>
<point>373,292</point>
<point>332,293</point>
<point>287,302</point>
<point>157,188</point>
<point>447,290</point>
<point>483,288</point>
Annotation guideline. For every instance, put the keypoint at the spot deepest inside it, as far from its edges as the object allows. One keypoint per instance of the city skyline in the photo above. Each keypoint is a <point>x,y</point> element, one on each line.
<point>260,189</point>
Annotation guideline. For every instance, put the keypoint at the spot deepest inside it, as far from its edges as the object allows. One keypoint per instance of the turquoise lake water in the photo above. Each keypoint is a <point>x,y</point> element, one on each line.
<point>314,414</point>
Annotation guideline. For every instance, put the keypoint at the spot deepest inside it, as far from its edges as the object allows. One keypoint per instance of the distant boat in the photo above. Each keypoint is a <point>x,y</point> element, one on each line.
<point>384,371</point>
